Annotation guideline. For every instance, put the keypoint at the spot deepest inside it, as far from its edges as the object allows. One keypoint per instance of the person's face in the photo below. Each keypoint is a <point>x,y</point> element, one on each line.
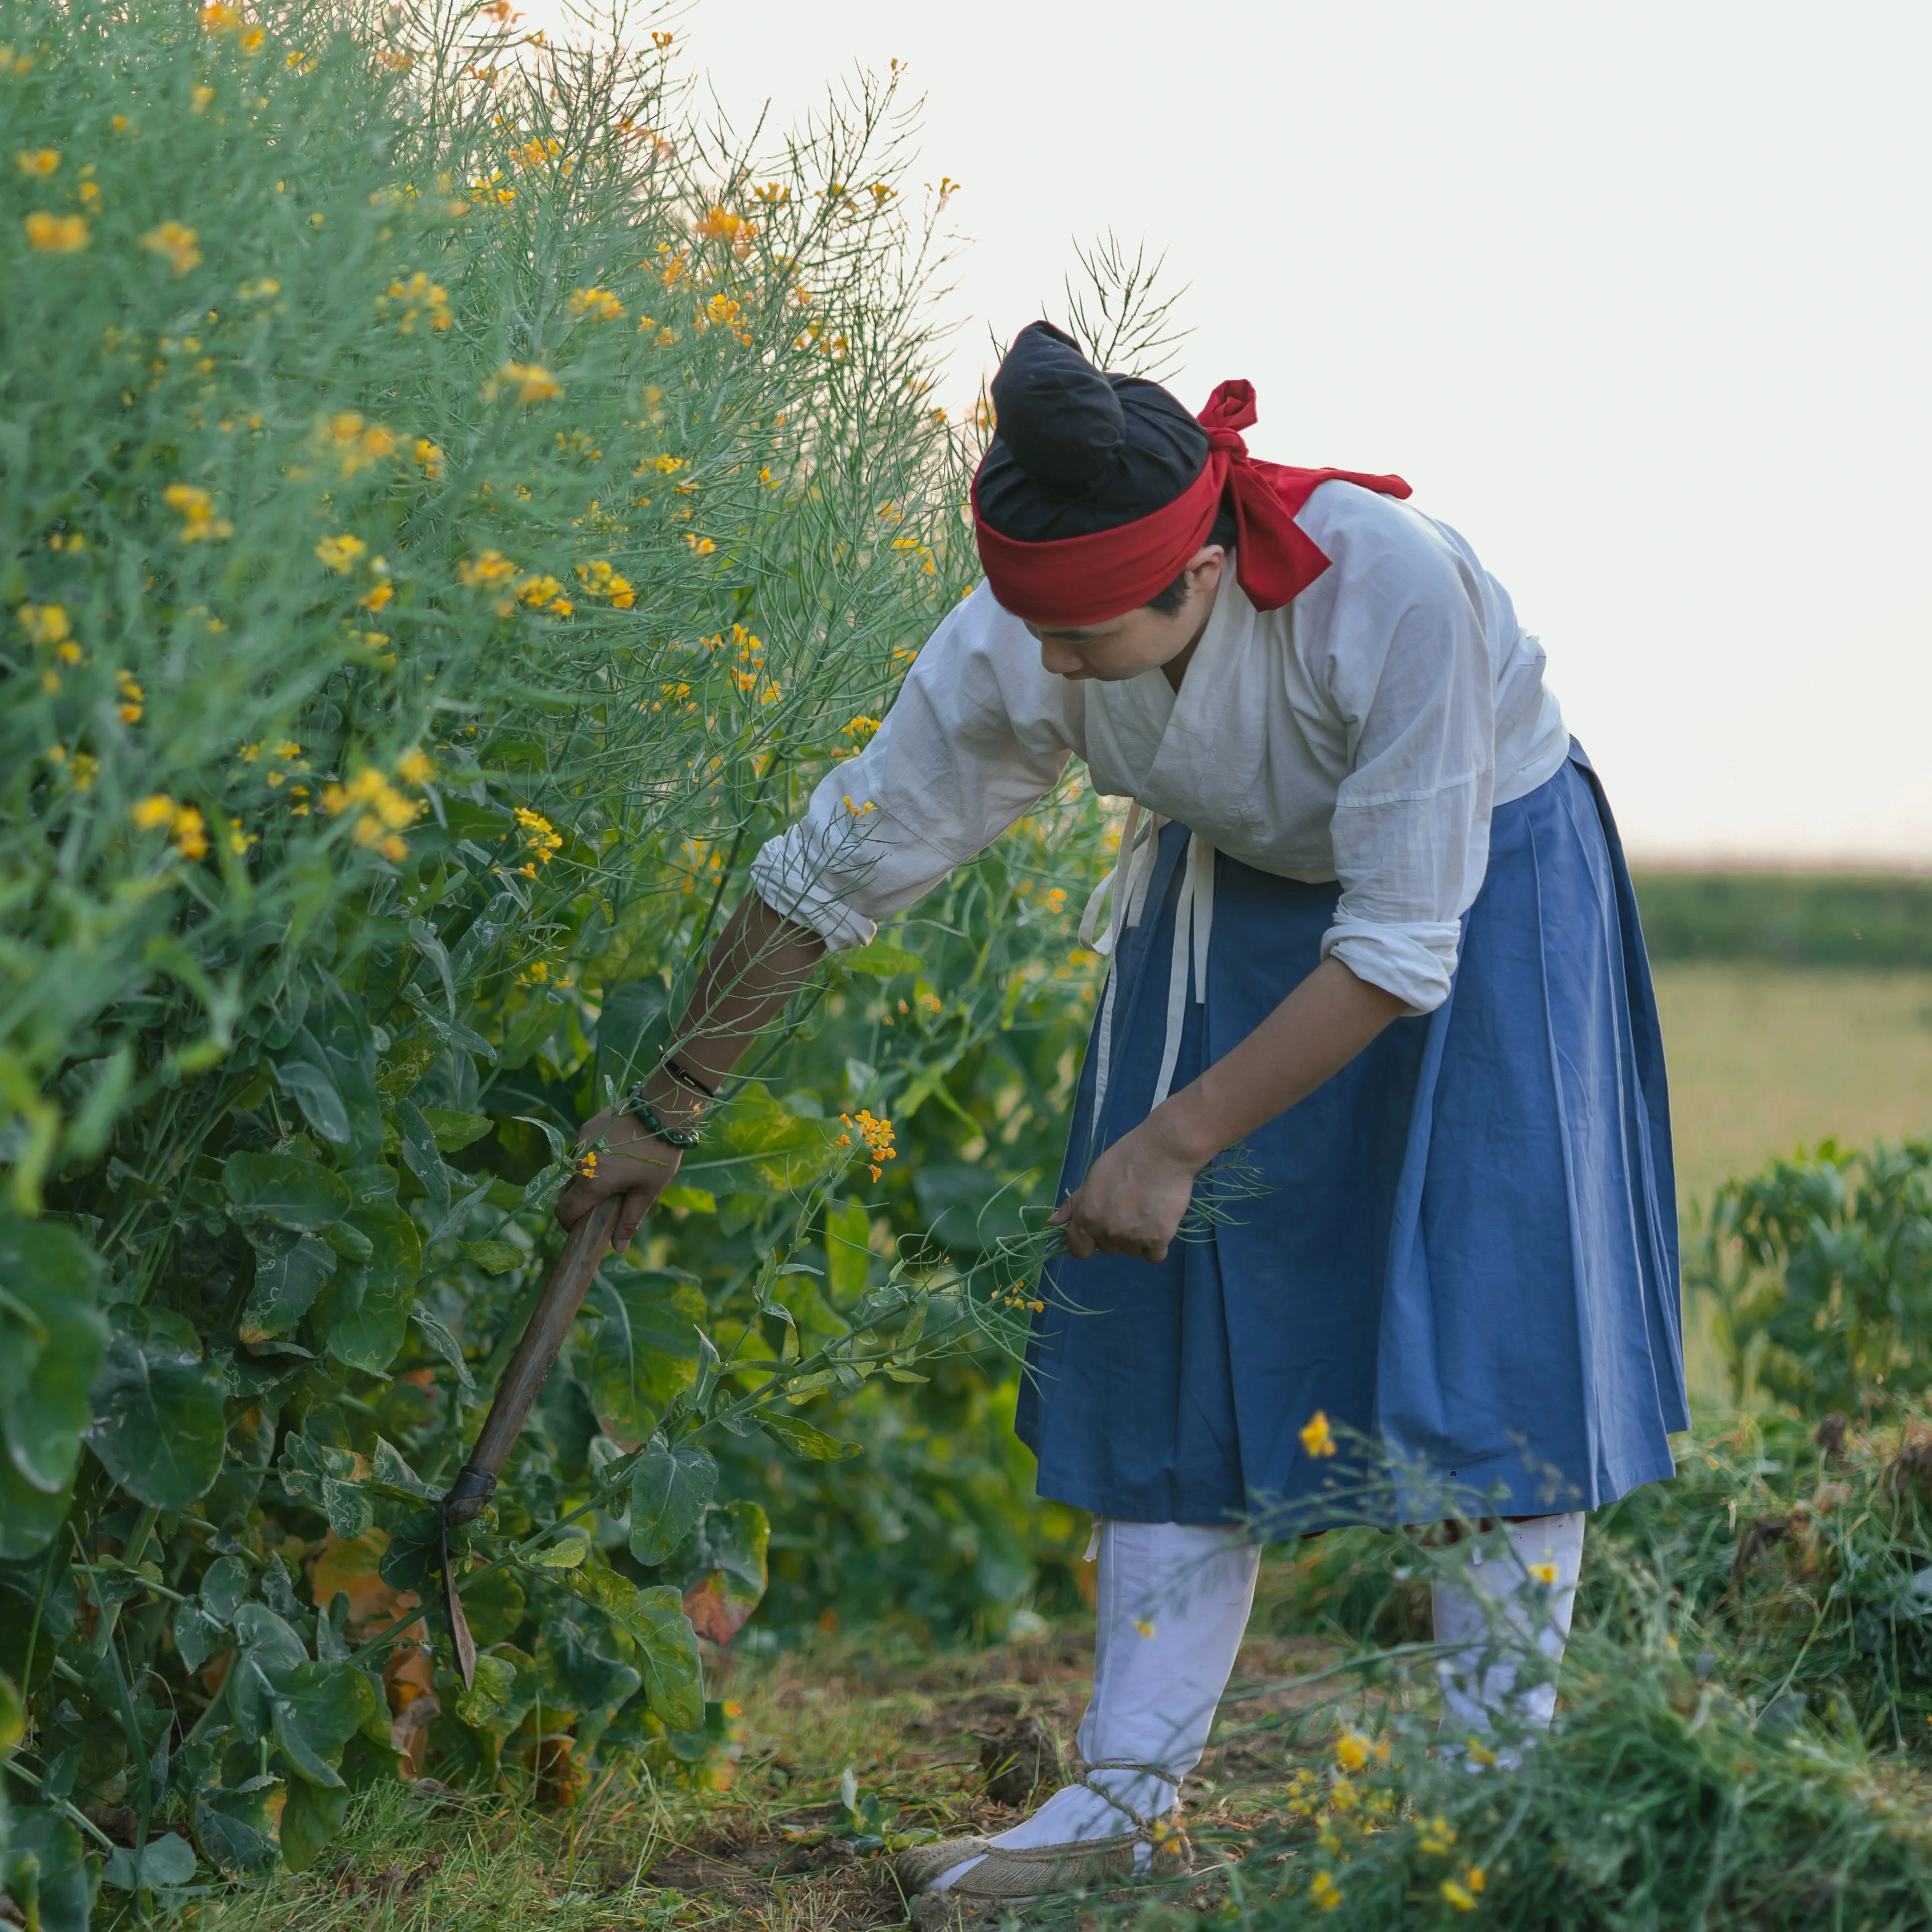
<point>1143,640</point>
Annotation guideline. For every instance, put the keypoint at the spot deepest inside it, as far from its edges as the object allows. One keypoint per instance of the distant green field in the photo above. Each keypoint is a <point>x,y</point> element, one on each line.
<point>1882,921</point>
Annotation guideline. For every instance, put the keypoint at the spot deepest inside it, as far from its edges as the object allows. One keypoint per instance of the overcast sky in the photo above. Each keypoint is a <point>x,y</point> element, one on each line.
<point>1635,296</point>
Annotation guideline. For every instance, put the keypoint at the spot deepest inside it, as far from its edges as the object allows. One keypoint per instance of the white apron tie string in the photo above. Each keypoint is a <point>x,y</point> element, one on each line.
<point>1193,922</point>
<point>1129,879</point>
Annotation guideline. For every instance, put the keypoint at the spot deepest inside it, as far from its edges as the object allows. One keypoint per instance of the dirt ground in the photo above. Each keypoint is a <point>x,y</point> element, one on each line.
<point>922,1740</point>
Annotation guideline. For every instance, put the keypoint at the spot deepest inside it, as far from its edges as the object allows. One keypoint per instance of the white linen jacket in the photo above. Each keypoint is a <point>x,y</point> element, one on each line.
<point>1362,734</point>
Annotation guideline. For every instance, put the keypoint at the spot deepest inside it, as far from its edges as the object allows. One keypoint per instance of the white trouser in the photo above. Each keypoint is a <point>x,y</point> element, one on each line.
<point>1491,1620</point>
<point>1174,1600</point>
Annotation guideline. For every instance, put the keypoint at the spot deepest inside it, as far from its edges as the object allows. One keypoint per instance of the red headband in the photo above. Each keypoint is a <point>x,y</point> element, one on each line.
<point>1088,580</point>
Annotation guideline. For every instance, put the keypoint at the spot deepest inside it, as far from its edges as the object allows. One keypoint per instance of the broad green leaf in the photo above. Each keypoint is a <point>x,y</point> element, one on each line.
<point>881,958</point>
<point>494,1257</point>
<point>159,1420</point>
<point>583,1654</point>
<point>424,1158</point>
<point>803,1440</point>
<point>66,1874</point>
<point>848,1254</point>
<point>485,1705</point>
<point>284,1188</point>
<point>669,1490</point>
<point>348,1508</point>
<point>235,1829</point>
<point>668,1647</point>
<point>51,1341</point>
<point>168,1860</point>
<point>698,1200</point>
<point>12,1714</point>
<point>197,1637</point>
<point>290,1270</point>
<point>390,1470</point>
<point>568,1551</point>
<point>268,1650</point>
<point>370,1305</point>
<point>413,1561</point>
<point>795,1148</point>
<point>453,1129</point>
<point>646,1349</point>
<point>314,1092</point>
<point>627,1023</point>
<point>347,1049</point>
<point>319,1708</point>
<point>494,1603</point>
<point>311,1817</point>
<point>224,1588</point>
<point>729,1565</point>
<point>445,1344</point>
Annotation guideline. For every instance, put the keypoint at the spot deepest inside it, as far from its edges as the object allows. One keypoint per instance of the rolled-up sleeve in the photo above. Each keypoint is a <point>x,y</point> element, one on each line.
<point>977,736</point>
<point>1412,822</point>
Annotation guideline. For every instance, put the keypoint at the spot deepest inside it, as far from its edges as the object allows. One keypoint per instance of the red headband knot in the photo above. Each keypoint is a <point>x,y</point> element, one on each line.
<point>1088,580</point>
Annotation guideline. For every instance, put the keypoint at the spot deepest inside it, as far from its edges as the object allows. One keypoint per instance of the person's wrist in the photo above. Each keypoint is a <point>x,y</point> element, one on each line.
<point>1180,1135</point>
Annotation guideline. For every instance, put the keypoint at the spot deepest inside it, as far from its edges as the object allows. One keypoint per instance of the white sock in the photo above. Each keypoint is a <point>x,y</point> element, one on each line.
<point>1491,1619</point>
<point>1174,1601</point>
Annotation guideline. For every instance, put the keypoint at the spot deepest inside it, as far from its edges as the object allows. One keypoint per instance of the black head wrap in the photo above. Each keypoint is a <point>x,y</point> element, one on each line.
<point>1076,450</point>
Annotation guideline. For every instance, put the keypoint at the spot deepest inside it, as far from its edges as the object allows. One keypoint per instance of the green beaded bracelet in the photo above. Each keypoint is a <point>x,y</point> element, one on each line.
<point>682,1138</point>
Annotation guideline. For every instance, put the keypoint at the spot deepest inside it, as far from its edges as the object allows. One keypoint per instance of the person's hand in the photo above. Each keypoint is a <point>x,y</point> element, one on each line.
<point>1133,1199</point>
<point>637,1165</point>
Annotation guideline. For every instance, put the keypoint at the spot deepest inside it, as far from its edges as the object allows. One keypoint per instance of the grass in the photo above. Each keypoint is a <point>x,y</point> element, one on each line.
<point>1762,1059</point>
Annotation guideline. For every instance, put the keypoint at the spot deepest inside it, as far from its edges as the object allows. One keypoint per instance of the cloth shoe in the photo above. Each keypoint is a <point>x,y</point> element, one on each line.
<point>1173,1602</point>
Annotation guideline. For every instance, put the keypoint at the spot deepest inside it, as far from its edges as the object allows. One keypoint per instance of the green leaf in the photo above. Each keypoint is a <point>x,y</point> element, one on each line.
<point>445,1345</point>
<point>668,1647</point>
<point>284,1188</point>
<point>485,1705</point>
<point>66,1875</point>
<point>369,1307</point>
<point>51,1341</point>
<point>494,1603</point>
<point>12,1714</point>
<point>848,1254</point>
<point>348,1508</point>
<point>389,1469</point>
<point>268,1650</point>
<point>802,1439</point>
<point>698,1200</point>
<point>669,1490</point>
<point>290,1271</point>
<point>726,1580</point>
<point>320,1707</point>
<point>234,1827</point>
<point>224,1588</point>
<point>568,1551</point>
<point>494,1257</point>
<point>168,1860</point>
<point>646,1349</point>
<point>314,1092</point>
<point>452,1129</point>
<point>160,1424</point>
<point>584,1646</point>
<point>310,1818</point>
<point>881,958</point>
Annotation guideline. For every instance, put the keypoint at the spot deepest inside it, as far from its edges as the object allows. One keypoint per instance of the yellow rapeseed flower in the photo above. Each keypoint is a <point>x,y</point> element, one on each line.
<point>531,383</point>
<point>131,695</point>
<point>427,457</point>
<point>341,552</point>
<point>597,305</point>
<point>1317,1439</point>
<point>37,161</point>
<point>218,17</point>
<point>1544,1573</point>
<point>177,241</point>
<point>190,830</point>
<point>200,524</point>
<point>44,623</point>
<point>1324,1891</point>
<point>1351,1750</point>
<point>1458,1895</point>
<point>55,234</point>
<point>355,443</point>
<point>416,767</point>
<point>423,300</point>
<point>1474,1879</point>
<point>861,728</point>
<point>157,808</point>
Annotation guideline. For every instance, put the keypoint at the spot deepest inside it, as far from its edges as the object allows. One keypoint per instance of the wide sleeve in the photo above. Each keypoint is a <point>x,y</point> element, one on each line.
<point>978,734</point>
<point>1409,672</point>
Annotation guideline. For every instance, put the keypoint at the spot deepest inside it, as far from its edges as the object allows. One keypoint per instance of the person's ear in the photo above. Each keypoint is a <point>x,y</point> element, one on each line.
<point>1204,570</point>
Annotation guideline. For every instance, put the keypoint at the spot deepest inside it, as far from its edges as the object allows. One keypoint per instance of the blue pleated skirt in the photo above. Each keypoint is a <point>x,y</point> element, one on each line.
<point>1461,1248</point>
